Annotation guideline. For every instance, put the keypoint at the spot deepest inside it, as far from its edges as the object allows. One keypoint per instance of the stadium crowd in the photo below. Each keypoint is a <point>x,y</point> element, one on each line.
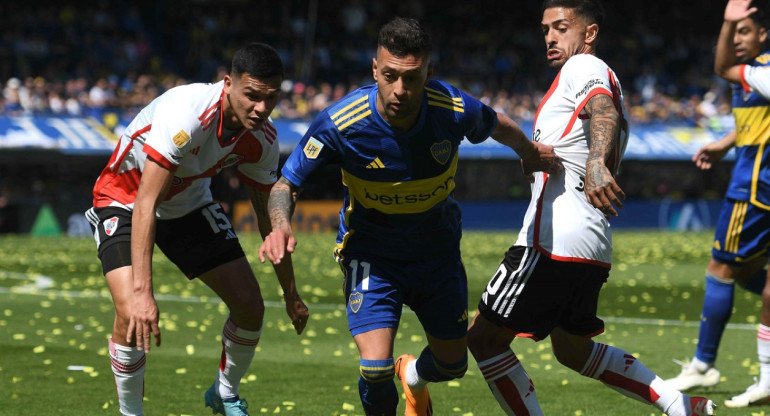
<point>110,58</point>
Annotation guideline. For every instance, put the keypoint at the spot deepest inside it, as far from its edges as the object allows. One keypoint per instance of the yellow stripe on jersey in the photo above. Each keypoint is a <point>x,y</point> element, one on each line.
<point>755,178</point>
<point>439,99</point>
<point>735,226</point>
<point>408,197</point>
<point>752,125</point>
<point>351,113</point>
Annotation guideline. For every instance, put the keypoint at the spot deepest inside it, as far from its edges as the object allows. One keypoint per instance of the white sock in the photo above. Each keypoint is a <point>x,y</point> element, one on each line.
<point>699,365</point>
<point>763,351</point>
<point>623,373</point>
<point>128,368</point>
<point>510,384</point>
<point>413,380</point>
<point>238,346</point>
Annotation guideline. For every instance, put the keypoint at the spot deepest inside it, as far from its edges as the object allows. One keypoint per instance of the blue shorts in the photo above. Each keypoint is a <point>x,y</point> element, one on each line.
<point>742,233</point>
<point>436,290</point>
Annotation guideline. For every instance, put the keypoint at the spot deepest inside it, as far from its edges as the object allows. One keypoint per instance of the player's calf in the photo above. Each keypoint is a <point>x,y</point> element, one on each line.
<point>376,388</point>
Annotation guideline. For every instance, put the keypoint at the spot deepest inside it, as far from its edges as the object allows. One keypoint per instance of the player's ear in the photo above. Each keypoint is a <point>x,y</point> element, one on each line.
<point>374,68</point>
<point>762,35</point>
<point>592,31</point>
<point>228,83</point>
<point>430,74</point>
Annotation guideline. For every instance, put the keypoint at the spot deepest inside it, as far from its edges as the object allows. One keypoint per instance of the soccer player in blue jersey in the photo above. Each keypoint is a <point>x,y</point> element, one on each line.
<point>742,237</point>
<point>397,142</point>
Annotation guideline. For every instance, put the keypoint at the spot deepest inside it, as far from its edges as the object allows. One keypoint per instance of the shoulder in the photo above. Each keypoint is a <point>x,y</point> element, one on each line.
<point>762,60</point>
<point>354,109</point>
<point>444,96</point>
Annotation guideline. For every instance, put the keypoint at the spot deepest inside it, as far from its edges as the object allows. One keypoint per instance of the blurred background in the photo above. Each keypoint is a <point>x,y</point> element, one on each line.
<point>74,73</point>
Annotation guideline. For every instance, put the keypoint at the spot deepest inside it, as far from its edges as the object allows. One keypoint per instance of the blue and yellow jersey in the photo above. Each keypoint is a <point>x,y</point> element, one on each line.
<point>398,185</point>
<point>750,179</point>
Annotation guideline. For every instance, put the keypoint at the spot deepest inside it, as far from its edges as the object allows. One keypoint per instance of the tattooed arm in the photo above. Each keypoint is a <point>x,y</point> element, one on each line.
<point>280,208</point>
<point>600,187</point>
<point>284,270</point>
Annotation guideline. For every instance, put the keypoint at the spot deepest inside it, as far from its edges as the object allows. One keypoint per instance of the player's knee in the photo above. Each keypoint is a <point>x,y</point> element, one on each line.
<point>248,315</point>
<point>476,342</point>
<point>377,371</point>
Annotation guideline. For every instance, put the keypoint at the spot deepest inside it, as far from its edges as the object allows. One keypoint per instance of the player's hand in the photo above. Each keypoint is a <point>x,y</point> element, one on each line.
<point>737,10</point>
<point>709,154</point>
<point>297,311</point>
<point>143,321</point>
<point>276,244</point>
<point>601,190</point>
<point>544,159</point>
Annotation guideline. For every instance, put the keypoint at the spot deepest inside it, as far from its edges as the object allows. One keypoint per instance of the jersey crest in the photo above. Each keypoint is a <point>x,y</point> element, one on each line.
<point>441,151</point>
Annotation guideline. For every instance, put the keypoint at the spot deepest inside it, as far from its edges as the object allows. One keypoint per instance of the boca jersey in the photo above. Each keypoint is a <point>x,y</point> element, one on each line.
<point>398,185</point>
<point>182,131</point>
<point>560,221</point>
<point>750,180</point>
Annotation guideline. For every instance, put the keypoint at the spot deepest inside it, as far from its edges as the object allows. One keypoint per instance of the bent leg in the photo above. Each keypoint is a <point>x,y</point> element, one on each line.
<point>619,371</point>
<point>506,377</point>
<point>235,283</point>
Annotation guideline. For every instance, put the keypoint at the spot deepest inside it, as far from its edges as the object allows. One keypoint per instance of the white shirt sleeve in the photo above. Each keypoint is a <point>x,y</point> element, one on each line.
<point>756,78</point>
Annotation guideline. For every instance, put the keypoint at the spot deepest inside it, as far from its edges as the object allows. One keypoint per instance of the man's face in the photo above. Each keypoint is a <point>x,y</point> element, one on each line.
<point>400,81</point>
<point>565,35</point>
<point>749,40</point>
<point>250,100</point>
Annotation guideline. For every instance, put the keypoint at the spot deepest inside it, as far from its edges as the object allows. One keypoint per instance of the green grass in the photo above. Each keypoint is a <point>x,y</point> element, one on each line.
<point>651,306</point>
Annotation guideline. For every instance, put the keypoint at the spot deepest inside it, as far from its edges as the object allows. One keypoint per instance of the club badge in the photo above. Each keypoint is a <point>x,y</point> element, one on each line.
<point>110,226</point>
<point>356,299</point>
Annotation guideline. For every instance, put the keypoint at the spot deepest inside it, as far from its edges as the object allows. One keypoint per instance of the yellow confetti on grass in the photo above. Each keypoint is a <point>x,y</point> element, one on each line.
<point>39,349</point>
<point>190,349</point>
<point>19,337</point>
<point>181,371</point>
<point>453,383</point>
<point>348,406</point>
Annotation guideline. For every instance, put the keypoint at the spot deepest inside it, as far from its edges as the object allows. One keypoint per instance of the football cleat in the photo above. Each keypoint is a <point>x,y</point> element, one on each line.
<point>690,377</point>
<point>701,406</point>
<point>417,402</point>
<point>222,407</point>
<point>755,394</point>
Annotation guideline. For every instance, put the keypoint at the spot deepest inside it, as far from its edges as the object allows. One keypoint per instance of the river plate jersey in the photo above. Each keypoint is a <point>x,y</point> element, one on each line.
<point>560,222</point>
<point>398,185</point>
<point>182,131</point>
<point>750,180</point>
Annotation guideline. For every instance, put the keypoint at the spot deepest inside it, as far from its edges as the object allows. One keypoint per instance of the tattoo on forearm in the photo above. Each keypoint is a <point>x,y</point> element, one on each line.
<point>280,205</point>
<point>604,128</point>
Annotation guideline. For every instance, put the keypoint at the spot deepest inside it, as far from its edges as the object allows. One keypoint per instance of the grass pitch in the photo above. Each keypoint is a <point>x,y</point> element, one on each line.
<point>56,315</point>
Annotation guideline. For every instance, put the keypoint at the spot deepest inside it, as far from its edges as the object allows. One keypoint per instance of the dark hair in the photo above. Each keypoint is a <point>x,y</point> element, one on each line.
<point>590,9</point>
<point>759,17</point>
<point>403,36</point>
<point>258,60</point>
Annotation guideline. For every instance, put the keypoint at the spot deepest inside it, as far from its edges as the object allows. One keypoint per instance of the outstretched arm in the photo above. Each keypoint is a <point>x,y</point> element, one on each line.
<point>600,187</point>
<point>295,307</point>
<point>534,156</point>
<point>724,60</point>
<point>280,208</point>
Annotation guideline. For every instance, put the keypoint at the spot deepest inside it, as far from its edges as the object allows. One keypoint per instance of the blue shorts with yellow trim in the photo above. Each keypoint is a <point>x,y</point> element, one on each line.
<point>436,290</point>
<point>742,233</point>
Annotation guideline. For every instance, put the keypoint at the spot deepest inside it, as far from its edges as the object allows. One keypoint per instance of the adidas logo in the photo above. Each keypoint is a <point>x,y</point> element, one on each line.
<point>464,316</point>
<point>376,164</point>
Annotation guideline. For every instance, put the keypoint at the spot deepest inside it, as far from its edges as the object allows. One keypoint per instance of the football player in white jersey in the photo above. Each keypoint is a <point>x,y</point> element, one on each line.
<point>155,190</point>
<point>549,281</point>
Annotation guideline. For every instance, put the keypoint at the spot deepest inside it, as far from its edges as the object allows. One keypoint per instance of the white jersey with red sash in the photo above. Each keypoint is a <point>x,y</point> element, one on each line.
<point>560,222</point>
<point>182,131</point>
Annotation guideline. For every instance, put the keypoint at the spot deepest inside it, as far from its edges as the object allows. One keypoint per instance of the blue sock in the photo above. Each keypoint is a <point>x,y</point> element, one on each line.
<point>757,282</point>
<point>376,388</point>
<point>717,308</point>
<point>433,370</point>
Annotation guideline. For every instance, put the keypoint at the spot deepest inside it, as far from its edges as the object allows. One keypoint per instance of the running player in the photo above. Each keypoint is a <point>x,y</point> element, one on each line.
<point>399,239</point>
<point>155,190</point>
<point>549,281</point>
<point>743,232</point>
